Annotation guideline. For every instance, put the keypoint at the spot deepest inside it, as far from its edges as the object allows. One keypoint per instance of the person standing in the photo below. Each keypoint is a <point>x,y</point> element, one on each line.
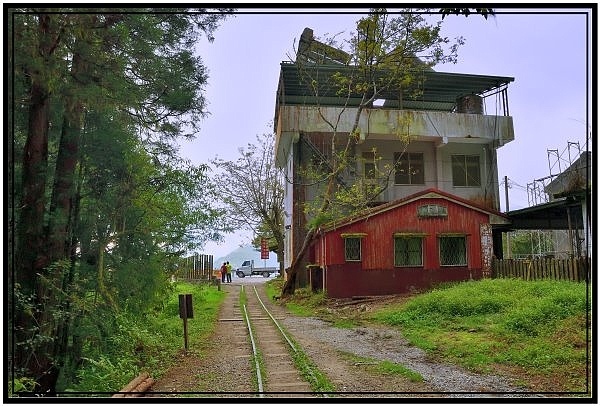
<point>223,272</point>
<point>229,272</point>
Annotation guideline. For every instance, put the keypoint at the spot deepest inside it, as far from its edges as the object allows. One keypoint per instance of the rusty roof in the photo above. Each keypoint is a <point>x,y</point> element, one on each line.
<point>425,194</point>
<point>438,90</point>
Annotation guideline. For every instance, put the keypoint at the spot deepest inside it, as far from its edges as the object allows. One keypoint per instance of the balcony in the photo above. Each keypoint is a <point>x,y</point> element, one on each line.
<point>387,124</point>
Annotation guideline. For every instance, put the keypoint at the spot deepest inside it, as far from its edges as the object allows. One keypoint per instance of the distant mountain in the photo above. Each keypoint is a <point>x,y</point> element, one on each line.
<point>246,252</point>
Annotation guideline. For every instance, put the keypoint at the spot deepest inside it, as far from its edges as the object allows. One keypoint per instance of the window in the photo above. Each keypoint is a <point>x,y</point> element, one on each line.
<point>408,251</point>
<point>453,250</point>
<point>370,168</point>
<point>352,248</point>
<point>465,170</point>
<point>409,168</point>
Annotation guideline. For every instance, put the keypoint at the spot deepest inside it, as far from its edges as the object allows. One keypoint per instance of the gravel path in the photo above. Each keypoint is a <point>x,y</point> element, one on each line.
<point>387,344</point>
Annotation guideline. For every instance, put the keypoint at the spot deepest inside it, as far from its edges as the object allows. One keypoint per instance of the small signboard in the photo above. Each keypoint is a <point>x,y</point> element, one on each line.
<point>186,310</point>
<point>432,210</point>
<point>264,249</point>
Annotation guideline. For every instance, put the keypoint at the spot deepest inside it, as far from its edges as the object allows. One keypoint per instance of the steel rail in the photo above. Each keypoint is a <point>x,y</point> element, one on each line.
<point>283,334</point>
<point>254,351</point>
<point>275,321</point>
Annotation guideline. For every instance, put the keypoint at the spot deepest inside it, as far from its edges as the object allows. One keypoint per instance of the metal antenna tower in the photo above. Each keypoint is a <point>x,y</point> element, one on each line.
<point>536,190</point>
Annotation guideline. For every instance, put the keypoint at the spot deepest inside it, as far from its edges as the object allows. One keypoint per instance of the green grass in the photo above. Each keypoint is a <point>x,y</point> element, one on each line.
<point>318,381</point>
<point>386,368</point>
<point>535,330</point>
<point>304,303</point>
<point>273,287</point>
<point>345,323</point>
<point>538,326</point>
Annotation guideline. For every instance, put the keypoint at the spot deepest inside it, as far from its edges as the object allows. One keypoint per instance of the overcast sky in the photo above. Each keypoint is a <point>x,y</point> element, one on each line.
<point>545,50</point>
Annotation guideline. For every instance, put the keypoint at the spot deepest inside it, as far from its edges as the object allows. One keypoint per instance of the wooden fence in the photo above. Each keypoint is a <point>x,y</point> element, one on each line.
<point>197,266</point>
<point>573,269</point>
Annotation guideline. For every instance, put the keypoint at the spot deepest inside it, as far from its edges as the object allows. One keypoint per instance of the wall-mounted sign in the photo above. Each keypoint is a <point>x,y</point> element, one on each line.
<point>432,210</point>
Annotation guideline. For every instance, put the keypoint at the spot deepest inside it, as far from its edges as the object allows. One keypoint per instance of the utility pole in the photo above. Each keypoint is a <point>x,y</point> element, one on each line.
<point>506,192</point>
<point>508,250</point>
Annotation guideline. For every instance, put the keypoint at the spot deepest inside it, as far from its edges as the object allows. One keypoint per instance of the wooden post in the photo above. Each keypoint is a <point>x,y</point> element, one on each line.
<point>185,335</point>
<point>185,311</point>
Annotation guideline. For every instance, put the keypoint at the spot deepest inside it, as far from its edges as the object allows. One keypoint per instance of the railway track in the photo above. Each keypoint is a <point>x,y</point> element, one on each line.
<point>251,355</point>
<point>273,350</point>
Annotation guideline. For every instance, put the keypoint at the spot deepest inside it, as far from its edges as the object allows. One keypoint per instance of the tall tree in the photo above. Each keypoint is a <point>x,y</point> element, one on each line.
<point>387,53</point>
<point>138,65</point>
<point>251,189</point>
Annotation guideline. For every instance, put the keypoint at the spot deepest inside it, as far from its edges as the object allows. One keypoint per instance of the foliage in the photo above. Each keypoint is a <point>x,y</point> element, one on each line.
<point>103,203</point>
<point>510,322</point>
<point>527,243</point>
<point>485,12</point>
<point>144,342</point>
<point>20,385</point>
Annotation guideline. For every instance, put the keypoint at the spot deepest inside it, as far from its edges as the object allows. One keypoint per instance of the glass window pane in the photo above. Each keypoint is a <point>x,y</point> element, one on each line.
<point>369,165</point>
<point>466,170</point>
<point>402,176</point>
<point>352,248</point>
<point>472,169</point>
<point>408,251</point>
<point>453,251</point>
<point>416,169</point>
<point>409,168</point>
<point>459,172</point>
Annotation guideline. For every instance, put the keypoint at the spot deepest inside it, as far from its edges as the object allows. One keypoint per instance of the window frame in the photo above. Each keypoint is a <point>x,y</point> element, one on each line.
<point>464,167</point>
<point>399,157</point>
<point>409,236</point>
<point>464,238</point>
<point>353,236</point>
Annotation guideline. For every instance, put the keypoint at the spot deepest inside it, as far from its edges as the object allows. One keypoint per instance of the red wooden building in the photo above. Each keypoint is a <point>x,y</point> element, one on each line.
<point>411,243</point>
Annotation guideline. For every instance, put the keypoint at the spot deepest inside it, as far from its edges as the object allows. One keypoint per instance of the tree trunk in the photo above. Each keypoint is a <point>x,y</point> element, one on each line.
<point>59,237</point>
<point>290,284</point>
<point>30,245</point>
<point>32,256</point>
<point>63,193</point>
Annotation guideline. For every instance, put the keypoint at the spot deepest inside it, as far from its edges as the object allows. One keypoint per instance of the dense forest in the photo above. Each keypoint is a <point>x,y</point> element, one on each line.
<point>101,206</point>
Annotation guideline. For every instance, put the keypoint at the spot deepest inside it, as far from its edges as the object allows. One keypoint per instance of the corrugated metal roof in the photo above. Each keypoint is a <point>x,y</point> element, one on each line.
<point>440,90</point>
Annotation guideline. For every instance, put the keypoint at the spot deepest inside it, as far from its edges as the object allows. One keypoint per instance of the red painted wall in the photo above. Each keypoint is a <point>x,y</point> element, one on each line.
<point>350,280</point>
<point>375,274</point>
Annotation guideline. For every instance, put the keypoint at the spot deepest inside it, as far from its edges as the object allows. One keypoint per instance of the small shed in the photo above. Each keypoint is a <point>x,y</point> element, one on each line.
<point>412,243</point>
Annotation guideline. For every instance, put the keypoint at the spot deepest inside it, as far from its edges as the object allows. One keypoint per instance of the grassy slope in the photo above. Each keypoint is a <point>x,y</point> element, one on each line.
<point>535,330</point>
